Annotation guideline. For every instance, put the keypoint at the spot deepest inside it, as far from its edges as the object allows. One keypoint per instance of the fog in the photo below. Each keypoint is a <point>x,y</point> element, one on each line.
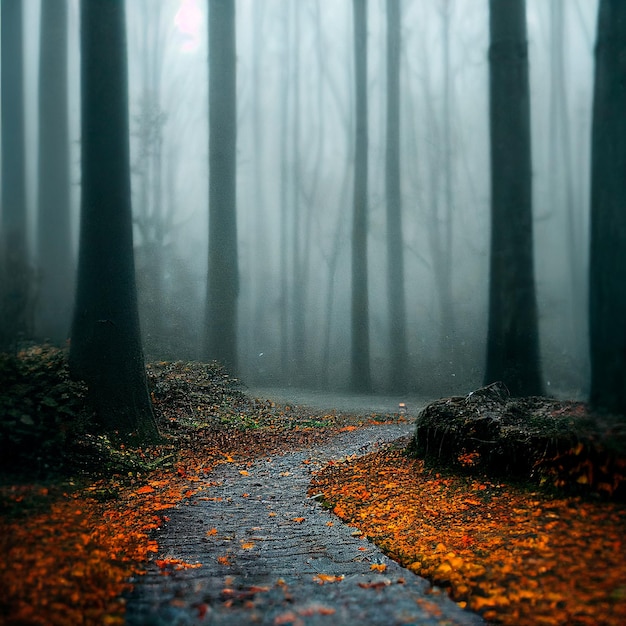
<point>295,151</point>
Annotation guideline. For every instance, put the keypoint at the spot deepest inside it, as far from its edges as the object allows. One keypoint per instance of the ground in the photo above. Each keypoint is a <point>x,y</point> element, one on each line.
<point>77,532</point>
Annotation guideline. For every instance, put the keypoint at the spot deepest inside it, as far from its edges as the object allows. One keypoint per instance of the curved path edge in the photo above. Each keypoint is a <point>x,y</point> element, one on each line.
<point>267,554</point>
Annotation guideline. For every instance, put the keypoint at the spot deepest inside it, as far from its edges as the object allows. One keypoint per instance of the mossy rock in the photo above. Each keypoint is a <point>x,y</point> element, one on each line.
<point>559,443</point>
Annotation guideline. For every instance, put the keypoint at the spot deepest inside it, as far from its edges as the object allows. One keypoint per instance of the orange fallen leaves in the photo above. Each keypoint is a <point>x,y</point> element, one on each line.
<point>320,579</point>
<point>145,489</point>
<point>175,564</point>
<point>69,564</point>
<point>517,557</point>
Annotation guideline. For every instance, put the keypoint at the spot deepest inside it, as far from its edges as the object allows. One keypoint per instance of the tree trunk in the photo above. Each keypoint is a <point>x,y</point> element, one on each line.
<point>361,378</point>
<point>298,278</point>
<point>395,244</point>
<point>106,349</point>
<point>223,272</point>
<point>447,336</point>
<point>284,309</point>
<point>15,273</point>
<point>607,278</point>
<point>54,258</point>
<point>513,341</point>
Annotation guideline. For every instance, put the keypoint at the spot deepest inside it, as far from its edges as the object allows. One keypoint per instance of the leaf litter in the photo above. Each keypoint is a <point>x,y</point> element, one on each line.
<point>78,515</point>
<point>516,556</point>
<point>75,540</point>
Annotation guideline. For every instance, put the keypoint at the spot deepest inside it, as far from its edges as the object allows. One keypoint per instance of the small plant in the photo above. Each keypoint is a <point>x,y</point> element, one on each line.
<point>42,411</point>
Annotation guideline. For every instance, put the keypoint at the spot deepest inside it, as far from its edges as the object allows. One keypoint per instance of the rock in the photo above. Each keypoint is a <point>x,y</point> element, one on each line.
<point>562,443</point>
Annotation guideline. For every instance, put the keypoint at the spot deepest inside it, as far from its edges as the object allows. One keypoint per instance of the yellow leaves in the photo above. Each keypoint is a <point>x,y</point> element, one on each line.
<point>298,520</point>
<point>223,560</point>
<point>512,555</point>
<point>378,567</point>
<point>247,545</point>
<point>244,472</point>
<point>211,532</point>
<point>472,502</point>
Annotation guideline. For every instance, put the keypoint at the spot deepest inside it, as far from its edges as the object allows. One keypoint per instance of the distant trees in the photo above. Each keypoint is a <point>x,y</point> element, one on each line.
<point>152,217</point>
<point>15,272</point>
<point>223,272</point>
<point>395,243</point>
<point>54,246</point>
<point>607,272</point>
<point>360,353</point>
<point>513,336</point>
<point>106,349</point>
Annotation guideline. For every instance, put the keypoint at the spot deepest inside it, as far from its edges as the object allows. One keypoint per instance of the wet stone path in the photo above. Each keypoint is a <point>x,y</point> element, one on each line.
<point>271,555</point>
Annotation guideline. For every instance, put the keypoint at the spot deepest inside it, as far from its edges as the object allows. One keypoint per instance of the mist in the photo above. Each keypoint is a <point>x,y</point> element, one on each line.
<point>294,184</point>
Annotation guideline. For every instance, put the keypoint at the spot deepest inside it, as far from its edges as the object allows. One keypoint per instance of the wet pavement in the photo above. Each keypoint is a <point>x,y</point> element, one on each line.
<point>266,553</point>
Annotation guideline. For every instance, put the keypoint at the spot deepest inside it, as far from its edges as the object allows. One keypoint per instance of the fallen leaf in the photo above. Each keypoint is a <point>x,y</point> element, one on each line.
<point>327,578</point>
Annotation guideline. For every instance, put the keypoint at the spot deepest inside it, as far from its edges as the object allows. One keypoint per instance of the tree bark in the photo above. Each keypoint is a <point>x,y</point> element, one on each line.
<point>15,273</point>
<point>54,248</point>
<point>395,243</point>
<point>361,377</point>
<point>223,272</point>
<point>106,350</point>
<point>607,272</point>
<point>513,336</point>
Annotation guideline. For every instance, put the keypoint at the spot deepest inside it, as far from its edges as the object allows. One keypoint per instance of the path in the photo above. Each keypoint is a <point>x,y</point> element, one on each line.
<point>263,563</point>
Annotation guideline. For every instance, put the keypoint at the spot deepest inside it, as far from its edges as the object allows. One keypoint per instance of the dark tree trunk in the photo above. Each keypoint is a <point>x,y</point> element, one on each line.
<point>106,349</point>
<point>607,280</point>
<point>223,273</point>
<point>15,274</point>
<point>513,338</point>
<point>361,377</point>
<point>54,253</point>
<point>395,245</point>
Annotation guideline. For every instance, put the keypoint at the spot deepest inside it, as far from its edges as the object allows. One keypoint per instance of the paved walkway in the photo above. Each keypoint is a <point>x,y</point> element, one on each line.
<point>278,558</point>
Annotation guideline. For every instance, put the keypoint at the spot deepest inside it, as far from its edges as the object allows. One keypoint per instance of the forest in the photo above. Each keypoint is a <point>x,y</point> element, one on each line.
<point>314,277</point>
<point>410,198</point>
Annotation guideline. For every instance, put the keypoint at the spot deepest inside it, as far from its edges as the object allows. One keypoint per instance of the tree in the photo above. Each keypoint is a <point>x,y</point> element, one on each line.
<point>54,250</point>
<point>152,218</point>
<point>284,312</point>
<point>223,272</point>
<point>15,274</point>
<point>106,350</point>
<point>607,271</point>
<point>360,352</point>
<point>444,239</point>
<point>513,336</point>
<point>395,247</point>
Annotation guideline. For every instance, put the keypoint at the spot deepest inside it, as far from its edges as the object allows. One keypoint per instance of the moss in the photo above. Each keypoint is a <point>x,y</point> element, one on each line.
<point>556,443</point>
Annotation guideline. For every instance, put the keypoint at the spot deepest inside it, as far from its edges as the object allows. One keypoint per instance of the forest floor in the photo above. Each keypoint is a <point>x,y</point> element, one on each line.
<point>75,543</point>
